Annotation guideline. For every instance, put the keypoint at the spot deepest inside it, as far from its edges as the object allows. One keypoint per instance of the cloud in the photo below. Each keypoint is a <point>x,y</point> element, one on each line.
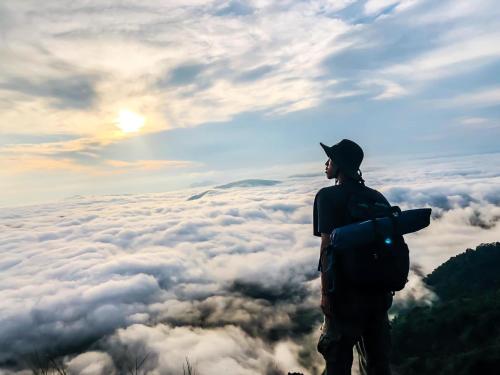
<point>182,75</point>
<point>375,6</point>
<point>451,10</point>
<point>386,89</point>
<point>72,92</point>
<point>255,73</point>
<point>235,184</point>
<point>147,164</point>
<point>17,165</point>
<point>75,155</point>
<point>177,67</point>
<point>434,42</point>
<point>80,145</point>
<point>450,58</point>
<point>193,74</point>
<point>212,351</point>
<point>92,277</point>
<point>91,363</point>
<point>235,8</point>
<point>124,287</point>
<point>473,121</point>
<point>414,293</point>
<point>475,124</point>
<point>483,98</point>
<point>248,183</point>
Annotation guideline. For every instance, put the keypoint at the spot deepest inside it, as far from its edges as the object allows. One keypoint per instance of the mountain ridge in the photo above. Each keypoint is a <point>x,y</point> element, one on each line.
<point>459,334</point>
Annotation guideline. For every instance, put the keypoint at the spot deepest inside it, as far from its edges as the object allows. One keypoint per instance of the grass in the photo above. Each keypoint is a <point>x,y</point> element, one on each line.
<point>132,364</point>
<point>46,365</point>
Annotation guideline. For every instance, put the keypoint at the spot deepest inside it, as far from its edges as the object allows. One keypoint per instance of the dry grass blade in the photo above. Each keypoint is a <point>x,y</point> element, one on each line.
<point>188,368</point>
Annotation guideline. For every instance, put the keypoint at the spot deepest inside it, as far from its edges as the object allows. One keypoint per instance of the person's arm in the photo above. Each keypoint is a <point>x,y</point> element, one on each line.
<point>326,306</point>
<point>325,241</point>
<point>322,219</point>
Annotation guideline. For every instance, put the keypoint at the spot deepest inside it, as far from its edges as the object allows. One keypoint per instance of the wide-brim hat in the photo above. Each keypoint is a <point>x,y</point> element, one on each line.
<point>347,155</point>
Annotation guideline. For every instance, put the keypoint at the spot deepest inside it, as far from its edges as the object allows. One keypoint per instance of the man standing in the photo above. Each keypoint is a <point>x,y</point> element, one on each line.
<point>352,317</point>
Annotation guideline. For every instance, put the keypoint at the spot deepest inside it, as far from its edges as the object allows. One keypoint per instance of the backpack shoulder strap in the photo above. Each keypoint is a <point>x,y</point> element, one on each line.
<point>363,205</point>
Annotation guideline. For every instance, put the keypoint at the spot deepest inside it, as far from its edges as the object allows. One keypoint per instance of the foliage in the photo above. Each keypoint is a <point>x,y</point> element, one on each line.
<point>469,274</point>
<point>460,334</point>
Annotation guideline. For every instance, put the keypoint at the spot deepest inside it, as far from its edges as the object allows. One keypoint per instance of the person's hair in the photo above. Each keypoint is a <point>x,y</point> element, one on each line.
<point>359,179</point>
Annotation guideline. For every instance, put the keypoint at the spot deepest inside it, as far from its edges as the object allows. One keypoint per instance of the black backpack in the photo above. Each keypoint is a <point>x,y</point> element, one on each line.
<point>383,265</point>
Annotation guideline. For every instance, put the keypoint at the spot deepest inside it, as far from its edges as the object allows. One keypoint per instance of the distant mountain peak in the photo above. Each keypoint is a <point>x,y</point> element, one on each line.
<point>240,183</point>
<point>249,183</point>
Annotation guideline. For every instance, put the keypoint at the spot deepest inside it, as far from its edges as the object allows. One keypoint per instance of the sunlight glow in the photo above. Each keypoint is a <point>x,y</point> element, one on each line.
<point>129,121</point>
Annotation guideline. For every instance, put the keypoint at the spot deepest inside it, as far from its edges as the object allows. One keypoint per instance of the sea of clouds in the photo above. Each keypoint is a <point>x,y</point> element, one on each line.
<point>223,277</point>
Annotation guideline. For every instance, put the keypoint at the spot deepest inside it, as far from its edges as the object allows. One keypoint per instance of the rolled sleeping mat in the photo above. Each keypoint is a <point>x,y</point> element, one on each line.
<point>365,232</point>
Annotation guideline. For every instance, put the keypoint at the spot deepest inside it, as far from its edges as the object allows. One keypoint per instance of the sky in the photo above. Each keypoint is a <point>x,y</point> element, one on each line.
<point>159,161</point>
<point>120,97</point>
<point>225,276</point>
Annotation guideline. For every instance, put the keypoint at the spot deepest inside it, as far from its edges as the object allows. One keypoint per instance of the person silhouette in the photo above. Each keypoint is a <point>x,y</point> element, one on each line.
<point>352,317</point>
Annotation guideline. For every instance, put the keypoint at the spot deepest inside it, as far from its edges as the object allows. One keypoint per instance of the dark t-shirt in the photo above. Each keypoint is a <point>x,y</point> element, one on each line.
<point>330,205</point>
<point>330,212</point>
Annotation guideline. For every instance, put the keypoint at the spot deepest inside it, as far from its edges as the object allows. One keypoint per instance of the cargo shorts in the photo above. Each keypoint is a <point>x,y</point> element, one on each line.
<point>368,329</point>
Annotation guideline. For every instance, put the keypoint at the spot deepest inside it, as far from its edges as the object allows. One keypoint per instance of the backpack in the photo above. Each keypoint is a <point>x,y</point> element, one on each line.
<point>380,266</point>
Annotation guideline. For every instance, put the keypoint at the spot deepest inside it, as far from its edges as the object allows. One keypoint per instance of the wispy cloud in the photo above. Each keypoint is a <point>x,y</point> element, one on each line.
<point>477,123</point>
<point>193,72</point>
<point>460,38</point>
<point>451,10</point>
<point>387,89</point>
<point>147,164</point>
<point>71,92</point>
<point>375,6</point>
<point>483,98</point>
<point>82,155</point>
<point>449,59</point>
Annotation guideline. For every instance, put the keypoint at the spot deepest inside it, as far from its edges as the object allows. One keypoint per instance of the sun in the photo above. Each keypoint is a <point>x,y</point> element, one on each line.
<point>129,121</point>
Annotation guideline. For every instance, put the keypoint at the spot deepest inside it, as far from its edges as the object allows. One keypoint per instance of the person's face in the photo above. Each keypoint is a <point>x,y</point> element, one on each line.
<point>329,168</point>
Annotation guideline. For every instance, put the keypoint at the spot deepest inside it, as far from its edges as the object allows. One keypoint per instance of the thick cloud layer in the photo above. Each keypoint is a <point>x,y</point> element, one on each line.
<point>227,280</point>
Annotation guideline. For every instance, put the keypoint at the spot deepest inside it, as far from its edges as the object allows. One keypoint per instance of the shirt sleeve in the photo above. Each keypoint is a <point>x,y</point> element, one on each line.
<point>315,217</point>
<point>323,215</point>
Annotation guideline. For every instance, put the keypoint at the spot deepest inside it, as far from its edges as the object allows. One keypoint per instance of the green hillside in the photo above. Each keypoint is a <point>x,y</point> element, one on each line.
<point>460,334</point>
